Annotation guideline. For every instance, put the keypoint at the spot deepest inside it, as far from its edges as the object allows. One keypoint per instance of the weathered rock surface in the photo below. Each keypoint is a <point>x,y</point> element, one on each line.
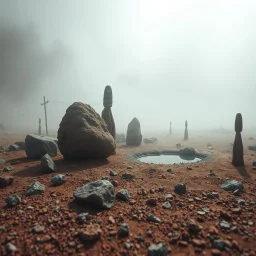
<point>21,145</point>
<point>13,200</point>
<point>187,152</point>
<point>35,188</point>
<point>123,195</point>
<point>134,137</point>
<point>14,147</point>
<point>100,193</point>
<point>158,250</point>
<point>180,188</point>
<point>58,180</point>
<point>47,164</point>
<point>83,133</point>
<point>232,185</point>
<point>38,146</point>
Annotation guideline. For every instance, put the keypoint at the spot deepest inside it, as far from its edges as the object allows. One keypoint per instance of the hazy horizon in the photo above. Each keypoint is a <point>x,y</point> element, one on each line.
<point>165,61</point>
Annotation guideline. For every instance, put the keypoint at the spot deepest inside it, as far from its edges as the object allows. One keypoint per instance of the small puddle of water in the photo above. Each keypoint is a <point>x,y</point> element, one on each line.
<point>167,159</point>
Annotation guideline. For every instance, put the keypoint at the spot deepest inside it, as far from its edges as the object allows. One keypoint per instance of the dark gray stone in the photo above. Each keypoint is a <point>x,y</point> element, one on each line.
<point>82,218</point>
<point>128,176</point>
<point>5,181</point>
<point>111,173</point>
<point>232,185</point>
<point>14,147</point>
<point>8,169</point>
<point>36,188</point>
<point>153,218</point>
<point>134,137</point>
<point>21,145</point>
<point>123,195</point>
<point>187,152</point>
<point>100,193</point>
<point>219,244</point>
<point>38,146</point>
<point>47,164</point>
<point>13,200</point>
<point>158,250</point>
<point>123,231</point>
<point>148,141</point>
<point>253,148</point>
<point>180,188</point>
<point>58,180</point>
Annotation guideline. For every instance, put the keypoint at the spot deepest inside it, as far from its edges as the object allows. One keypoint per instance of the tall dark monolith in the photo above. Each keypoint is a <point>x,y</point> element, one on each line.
<point>186,131</point>
<point>238,150</point>
<point>107,113</point>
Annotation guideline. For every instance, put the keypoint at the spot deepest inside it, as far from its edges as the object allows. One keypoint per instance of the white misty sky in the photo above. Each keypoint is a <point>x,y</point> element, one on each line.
<point>166,61</point>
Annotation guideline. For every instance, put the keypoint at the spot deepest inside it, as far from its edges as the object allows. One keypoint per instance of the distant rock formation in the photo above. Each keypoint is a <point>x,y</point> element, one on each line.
<point>186,131</point>
<point>238,151</point>
<point>134,137</point>
<point>83,133</point>
<point>120,138</point>
<point>150,140</point>
<point>170,130</point>
<point>107,113</point>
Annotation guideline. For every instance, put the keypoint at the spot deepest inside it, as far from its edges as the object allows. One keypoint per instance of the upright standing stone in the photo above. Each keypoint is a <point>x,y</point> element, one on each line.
<point>107,113</point>
<point>186,131</point>
<point>238,151</point>
<point>134,137</point>
<point>170,131</point>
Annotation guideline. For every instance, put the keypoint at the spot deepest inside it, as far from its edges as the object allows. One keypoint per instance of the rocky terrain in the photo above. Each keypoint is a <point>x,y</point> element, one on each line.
<point>136,208</point>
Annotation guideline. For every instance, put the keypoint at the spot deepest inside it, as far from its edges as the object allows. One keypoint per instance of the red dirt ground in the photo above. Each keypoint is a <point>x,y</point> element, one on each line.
<point>59,236</point>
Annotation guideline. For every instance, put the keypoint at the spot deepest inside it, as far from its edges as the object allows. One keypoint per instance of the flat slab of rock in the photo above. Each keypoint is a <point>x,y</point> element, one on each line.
<point>36,188</point>
<point>47,164</point>
<point>83,134</point>
<point>100,193</point>
<point>232,185</point>
<point>38,146</point>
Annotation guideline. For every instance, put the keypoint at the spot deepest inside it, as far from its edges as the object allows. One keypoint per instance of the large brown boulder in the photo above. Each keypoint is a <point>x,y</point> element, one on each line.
<point>134,137</point>
<point>83,133</point>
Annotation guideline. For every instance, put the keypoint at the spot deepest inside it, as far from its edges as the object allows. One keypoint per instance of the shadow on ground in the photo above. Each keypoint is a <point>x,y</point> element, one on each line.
<point>82,207</point>
<point>62,166</point>
<point>242,171</point>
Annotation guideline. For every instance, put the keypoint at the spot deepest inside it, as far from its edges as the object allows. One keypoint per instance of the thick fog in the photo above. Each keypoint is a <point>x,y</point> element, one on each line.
<point>165,60</point>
